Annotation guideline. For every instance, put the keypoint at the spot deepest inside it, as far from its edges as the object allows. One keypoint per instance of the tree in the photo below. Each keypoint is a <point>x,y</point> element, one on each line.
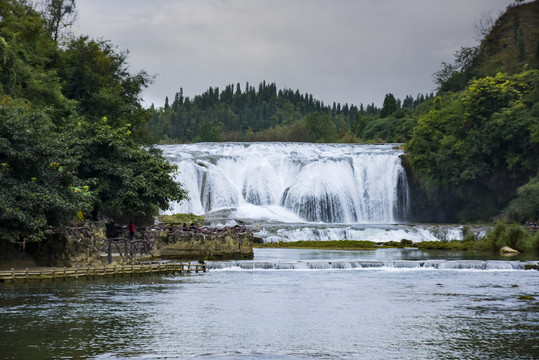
<point>59,14</point>
<point>129,180</point>
<point>39,186</point>
<point>455,77</point>
<point>389,106</point>
<point>26,58</point>
<point>321,126</point>
<point>209,131</point>
<point>60,157</point>
<point>96,75</point>
<point>525,206</point>
<point>479,144</point>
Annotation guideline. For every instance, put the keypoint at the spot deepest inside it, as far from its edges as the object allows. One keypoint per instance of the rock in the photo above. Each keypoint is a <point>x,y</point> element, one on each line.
<point>186,245</point>
<point>406,242</point>
<point>507,251</point>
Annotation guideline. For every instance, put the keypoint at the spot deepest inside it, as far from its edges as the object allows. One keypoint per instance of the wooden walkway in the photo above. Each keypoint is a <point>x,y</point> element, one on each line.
<point>89,272</point>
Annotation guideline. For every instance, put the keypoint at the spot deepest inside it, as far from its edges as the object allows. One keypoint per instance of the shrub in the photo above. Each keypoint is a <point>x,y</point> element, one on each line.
<point>513,235</point>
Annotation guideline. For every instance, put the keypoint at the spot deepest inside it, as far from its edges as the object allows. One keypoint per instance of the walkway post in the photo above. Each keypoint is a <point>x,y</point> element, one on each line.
<point>110,251</point>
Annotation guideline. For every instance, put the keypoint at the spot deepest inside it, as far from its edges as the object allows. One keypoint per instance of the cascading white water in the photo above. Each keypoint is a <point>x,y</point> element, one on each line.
<point>293,182</point>
<point>301,191</point>
<point>370,264</point>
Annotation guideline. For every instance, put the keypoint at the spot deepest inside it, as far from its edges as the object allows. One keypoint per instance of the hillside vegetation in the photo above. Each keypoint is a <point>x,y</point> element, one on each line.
<point>269,114</point>
<point>71,127</point>
<point>475,152</point>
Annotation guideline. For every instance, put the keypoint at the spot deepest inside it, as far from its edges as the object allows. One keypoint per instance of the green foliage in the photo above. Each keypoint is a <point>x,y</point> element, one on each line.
<point>389,106</point>
<point>396,128</point>
<point>454,245</point>
<point>456,76</point>
<point>266,114</point>
<point>129,180</point>
<point>513,235</point>
<point>27,59</point>
<point>262,114</point>
<point>38,182</point>
<point>479,144</point>
<point>60,157</point>
<point>95,74</point>
<point>209,132</point>
<point>511,43</point>
<point>321,127</point>
<point>526,205</point>
<point>180,219</point>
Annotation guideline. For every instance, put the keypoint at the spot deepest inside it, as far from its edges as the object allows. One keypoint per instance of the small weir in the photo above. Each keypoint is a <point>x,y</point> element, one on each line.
<point>373,264</point>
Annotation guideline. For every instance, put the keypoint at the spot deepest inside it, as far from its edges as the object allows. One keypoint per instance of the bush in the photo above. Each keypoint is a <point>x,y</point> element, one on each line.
<point>513,235</point>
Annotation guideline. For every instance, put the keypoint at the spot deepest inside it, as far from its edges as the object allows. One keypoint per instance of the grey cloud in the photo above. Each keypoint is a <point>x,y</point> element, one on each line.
<point>348,51</point>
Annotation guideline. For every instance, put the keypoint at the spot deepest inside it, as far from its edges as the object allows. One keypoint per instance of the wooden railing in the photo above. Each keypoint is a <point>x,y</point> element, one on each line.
<point>99,271</point>
<point>126,248</point>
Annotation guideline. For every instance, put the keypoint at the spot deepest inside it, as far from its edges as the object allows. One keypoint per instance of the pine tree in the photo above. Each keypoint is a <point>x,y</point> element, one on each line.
<point>389,106</point>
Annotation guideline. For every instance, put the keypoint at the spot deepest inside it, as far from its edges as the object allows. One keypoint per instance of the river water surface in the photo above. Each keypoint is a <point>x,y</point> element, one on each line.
<point>285,304</point>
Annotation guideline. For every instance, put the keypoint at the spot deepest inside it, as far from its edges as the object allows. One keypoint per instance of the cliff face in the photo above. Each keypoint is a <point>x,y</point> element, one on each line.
<point>513,41</point>
<point>187,245</point>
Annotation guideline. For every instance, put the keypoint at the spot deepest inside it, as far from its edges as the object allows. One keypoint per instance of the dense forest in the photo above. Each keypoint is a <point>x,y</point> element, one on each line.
<point>474,152</point>
<point>71,128</point>
<point>268,114</point>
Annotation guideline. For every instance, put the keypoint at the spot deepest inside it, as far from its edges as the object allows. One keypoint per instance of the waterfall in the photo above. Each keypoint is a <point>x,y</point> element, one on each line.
<point>293,182</point>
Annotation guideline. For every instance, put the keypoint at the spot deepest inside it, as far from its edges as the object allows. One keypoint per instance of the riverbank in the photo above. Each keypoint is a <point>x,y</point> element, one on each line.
<point>489,244</point>
<point>327,245</point>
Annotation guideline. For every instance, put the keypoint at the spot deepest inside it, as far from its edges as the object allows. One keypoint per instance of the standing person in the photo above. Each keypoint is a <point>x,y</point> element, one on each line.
<point>131,230</point>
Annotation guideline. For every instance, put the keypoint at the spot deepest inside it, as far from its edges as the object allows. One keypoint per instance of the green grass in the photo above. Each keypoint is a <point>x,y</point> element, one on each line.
<point>461,245</point>
<point>331,245</point>
<point>180,219</point>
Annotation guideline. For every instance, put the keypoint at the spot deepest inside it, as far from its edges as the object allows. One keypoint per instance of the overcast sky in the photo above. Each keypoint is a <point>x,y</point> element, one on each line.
<point>347,51</point>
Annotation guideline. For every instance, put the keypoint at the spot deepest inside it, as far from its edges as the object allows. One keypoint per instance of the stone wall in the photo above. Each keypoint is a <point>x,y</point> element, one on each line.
<point>200,245</point>
<point>78,245</point>
<point>74,246</point>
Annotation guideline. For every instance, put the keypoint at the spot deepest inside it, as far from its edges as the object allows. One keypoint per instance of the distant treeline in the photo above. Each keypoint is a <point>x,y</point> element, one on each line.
<point>269,114</point>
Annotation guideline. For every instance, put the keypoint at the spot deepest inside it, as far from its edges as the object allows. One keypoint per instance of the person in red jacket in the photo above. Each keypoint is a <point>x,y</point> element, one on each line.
<point>131,230</point>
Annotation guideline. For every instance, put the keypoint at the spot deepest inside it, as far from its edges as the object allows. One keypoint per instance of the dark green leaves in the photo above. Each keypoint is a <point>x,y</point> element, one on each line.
<point>480,143</point>
<point>37,174</point>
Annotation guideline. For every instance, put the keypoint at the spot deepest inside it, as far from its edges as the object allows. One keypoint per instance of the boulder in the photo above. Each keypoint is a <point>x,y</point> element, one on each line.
<point>507,251</point>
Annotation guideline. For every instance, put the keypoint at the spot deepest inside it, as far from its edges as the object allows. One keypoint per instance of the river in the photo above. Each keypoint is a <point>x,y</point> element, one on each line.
<point>285,304</point>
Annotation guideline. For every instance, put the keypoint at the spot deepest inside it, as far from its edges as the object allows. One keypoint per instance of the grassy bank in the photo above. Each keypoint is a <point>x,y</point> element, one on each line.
<point>180,219</point>
<point>512,235</point>
<point>328,245</point>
